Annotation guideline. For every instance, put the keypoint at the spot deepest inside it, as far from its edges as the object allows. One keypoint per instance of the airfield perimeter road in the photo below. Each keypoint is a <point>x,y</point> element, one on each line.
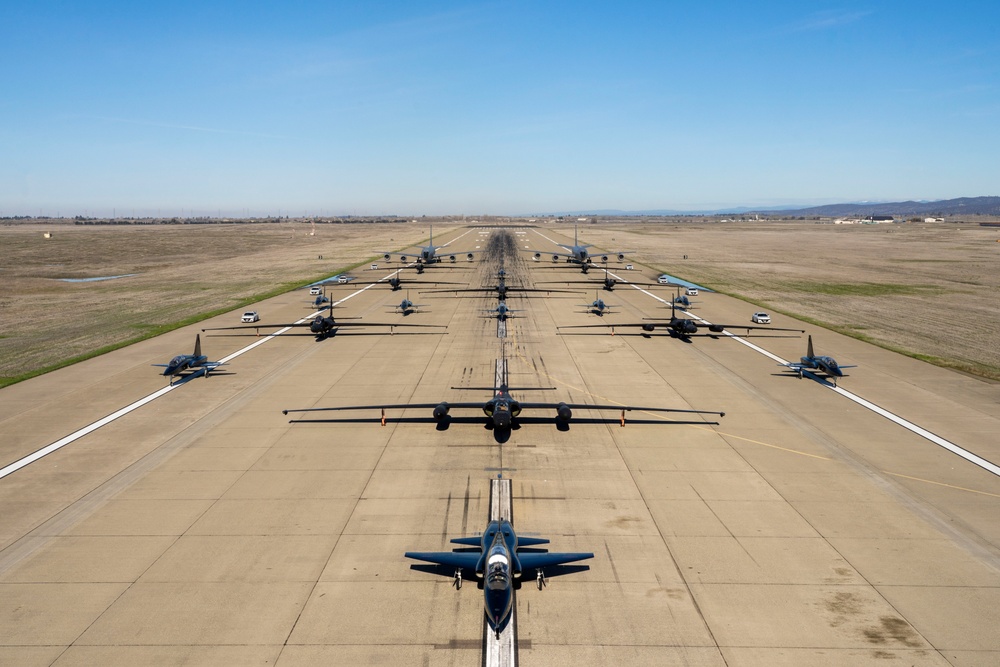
<point>203,528</point>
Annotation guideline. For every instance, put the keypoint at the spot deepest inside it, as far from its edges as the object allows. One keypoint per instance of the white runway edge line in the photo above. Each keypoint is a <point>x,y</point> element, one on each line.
<point>985,464</point>
<point>90,428</point>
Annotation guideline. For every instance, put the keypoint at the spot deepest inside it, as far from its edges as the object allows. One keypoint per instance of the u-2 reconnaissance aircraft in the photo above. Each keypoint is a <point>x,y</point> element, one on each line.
<point>498,562</point>
<point>323,326</point>
<point>195,362</point>
<point>502,410</point>
<point>821,363</point>
<point>679,327</point>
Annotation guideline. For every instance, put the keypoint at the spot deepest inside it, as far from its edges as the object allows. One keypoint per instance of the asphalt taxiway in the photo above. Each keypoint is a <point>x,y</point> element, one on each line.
<point>204,528</point>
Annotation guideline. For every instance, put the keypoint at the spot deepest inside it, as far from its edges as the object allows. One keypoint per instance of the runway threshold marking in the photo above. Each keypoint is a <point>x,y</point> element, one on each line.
<point>975,459</point>
<point>104,421</point>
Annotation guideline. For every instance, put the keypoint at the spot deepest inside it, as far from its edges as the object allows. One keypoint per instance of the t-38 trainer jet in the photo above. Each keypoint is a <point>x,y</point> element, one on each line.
<point>195,362</point>
<point>821,363</point>
<point>498,562</point>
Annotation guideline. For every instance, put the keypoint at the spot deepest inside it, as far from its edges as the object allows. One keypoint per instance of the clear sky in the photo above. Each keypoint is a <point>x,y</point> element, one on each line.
<point>510,107</point>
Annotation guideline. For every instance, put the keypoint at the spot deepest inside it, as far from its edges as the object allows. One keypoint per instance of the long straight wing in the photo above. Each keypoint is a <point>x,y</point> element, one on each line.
<point>465,560</point>
<point>338,325</point>
<point>389,406</point>
<point>530,561</point>
<point>665,324</point>
<point>590,406</point>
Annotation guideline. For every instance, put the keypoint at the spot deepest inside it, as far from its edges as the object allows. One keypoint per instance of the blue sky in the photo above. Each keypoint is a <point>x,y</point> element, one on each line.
<point>507,107</point>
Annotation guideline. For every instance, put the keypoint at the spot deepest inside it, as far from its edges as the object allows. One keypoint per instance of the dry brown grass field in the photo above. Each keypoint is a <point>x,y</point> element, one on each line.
<point>927,289</point>
<point>182,271</point>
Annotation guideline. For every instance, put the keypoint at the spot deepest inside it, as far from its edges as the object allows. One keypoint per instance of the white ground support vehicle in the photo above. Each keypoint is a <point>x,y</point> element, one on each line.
<point>250,317</point>
<point>691,291</point>
<point>760,318</point>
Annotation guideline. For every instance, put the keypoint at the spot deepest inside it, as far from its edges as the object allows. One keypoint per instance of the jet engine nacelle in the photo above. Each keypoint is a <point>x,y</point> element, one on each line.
<point>555,258</point>
<point>563,412</point>
<point>441,411</point>
<point>621,256</point>
<point>605,258</point>
<point>452,258</point>
<point>469,257</point>
<point>402,258</point>
<point>648,327</point>
<point>538,255</point>
<point>387,257</point>
<point>717,328</point>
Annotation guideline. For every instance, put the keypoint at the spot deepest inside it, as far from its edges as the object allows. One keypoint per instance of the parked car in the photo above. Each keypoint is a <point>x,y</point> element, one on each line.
<point>250,317</point>
<point>692,291</point>
<point>760,318</point>
<point>316,289</point>
<point>628,267</point>
<point>664,279</point>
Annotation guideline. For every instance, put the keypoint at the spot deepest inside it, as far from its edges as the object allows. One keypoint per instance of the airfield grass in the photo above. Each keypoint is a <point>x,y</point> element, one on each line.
<point>925,290</point>
<point>185,274</point>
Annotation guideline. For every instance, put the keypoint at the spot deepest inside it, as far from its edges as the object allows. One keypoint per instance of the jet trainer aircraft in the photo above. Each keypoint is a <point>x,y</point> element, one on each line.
<point>194,362</point>
<point>498,562</point>
<point>503,410</point>
<point>501,312</point>
<point>406,306</point>
<point>821,363</point>
<point>597,306</point>
<point>323,326</point>
<point>679,327</point>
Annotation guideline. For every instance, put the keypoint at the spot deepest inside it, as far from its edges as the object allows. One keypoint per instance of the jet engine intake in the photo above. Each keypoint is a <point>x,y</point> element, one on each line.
<point>469,256</point>
<point>387,257</point>
<point>402,258</point>
<point>441,411</point>
<point>604,258</point>
<point>621,256</point>
<point>451,258</point>
<point>563,412</point>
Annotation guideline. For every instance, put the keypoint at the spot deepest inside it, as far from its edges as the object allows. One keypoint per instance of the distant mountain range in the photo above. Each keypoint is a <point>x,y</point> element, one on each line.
<point>941,208</point>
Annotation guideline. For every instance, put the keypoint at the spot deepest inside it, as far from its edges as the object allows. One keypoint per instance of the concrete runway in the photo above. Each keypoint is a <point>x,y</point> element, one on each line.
<point>204,528</point>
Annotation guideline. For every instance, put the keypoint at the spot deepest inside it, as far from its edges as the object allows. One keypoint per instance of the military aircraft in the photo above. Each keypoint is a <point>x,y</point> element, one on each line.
<point>406,306</point>
<point>598,306</point>
<point>609,282</point>
<point>498,562</point>
<point>578,253</point>
<point>395,280</point>
<point>428,254</point>
<point>195,362</point>
<point>679,327</point>
<point>324,326</point>
<point>501,289</point>
<point>501,312</point>
<point>503,410</point>
<point>321,300</point>
<point>821,363</point>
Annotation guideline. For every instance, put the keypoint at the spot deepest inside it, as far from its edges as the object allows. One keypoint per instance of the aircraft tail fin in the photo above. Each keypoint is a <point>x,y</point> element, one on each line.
<point>809,348</point>
<point>197,345</point>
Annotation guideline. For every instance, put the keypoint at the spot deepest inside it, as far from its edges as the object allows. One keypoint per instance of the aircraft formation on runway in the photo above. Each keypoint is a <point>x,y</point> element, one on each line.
<point>498,558</point>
